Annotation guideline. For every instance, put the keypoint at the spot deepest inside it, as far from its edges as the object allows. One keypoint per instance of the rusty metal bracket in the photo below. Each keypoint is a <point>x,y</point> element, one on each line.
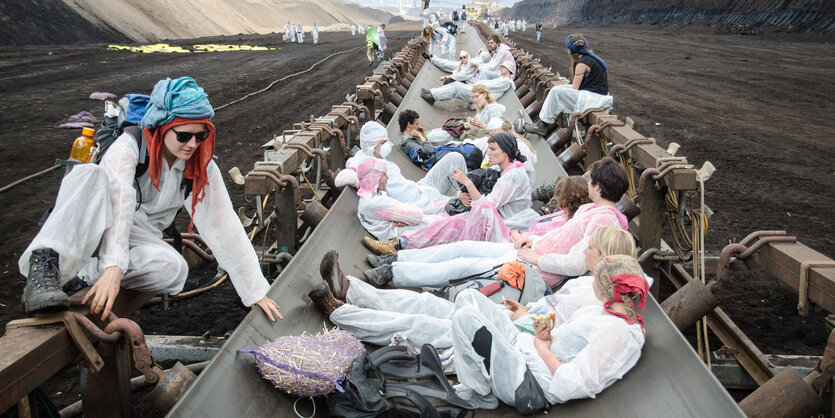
<point>803,285</point>
<point>92,357</point>
<point>748,246</point>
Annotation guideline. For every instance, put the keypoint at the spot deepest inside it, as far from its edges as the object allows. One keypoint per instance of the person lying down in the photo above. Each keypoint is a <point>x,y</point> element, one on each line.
<point>595,336</point>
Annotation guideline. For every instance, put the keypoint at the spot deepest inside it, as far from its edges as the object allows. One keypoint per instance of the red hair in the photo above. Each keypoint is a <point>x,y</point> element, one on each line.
<point>195,166</point>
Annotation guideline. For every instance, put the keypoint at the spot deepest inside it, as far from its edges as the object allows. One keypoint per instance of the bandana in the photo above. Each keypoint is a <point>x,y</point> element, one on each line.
<point>369,170</point>
<point>621,279</point>
<point>584,50</point>
<point>508,144</point>
<point>371,134</point>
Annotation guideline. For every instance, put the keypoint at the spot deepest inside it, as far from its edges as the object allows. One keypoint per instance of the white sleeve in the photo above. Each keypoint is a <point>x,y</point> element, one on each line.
<point>388,209</point>
<point>119,163</point>
<point>506,188</point>
<point>221,228</point>
<point>611,352</point>
<point>574,263</point>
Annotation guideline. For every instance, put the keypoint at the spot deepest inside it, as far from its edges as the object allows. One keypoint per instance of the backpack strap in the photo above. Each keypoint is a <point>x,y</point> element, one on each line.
<point>136,133</point>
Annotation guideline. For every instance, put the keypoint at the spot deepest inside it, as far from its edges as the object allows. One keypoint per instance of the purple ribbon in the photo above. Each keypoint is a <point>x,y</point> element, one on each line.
<point>293,369</point>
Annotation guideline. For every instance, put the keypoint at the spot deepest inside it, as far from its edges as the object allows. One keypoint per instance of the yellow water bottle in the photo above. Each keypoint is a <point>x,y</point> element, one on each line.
<point>83,145</point>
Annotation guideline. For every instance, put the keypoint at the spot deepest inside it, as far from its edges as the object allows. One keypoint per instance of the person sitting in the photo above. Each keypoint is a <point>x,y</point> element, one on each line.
<point>569,194</point>
<point>460,71</point>
<point>381,215</point>
<point>499,54</point>
<point>476,126</point>
<point>502,124</point>
<point>589,87</point>
<point>97,205</point>
<point>509,195</point>
<point>436,186</point>
<point>601,311</point>
<point>556,255</point>
<point>464,92</point>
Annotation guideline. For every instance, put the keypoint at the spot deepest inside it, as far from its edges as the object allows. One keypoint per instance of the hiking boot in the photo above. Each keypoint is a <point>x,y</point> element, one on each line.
<point>379,260</point>
<point>333,276</point>
<point>380,247</point>
<point>323,299</point>
<point>379,276</point>
<point>539,128</point>
<point>43,284</point>
<point>545,191</point>
<point>427,95</point>
<point>425,55</point>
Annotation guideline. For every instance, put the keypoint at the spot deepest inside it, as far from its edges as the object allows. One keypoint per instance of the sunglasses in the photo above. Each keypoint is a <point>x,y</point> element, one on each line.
<point>183,137</point>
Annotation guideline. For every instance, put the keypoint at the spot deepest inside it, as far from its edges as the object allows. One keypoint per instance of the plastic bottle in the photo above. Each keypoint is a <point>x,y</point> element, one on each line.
<point>83,145</point>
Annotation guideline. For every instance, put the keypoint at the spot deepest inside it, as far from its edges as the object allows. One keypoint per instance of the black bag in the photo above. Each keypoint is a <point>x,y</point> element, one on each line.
<point>483,179</point>
<point>391,382</point>
<point>472,154</point>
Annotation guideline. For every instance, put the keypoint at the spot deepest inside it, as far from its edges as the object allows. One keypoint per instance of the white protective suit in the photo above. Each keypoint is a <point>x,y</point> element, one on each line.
<point>442,44</point>
<point>288,33</point>
<point>97,203</point>
<point>524,149</point>
<point>491,69</point>
<point>564,99</point>
<point>596,348</point>
<point>314,31</point>
<point>462,72</point>
<point>300,33</point>
<point>438,136</point>
<point>464,92</point>
<point>561,249</point>
<point>434,187</point>
<point>353,30</point>
<point>377,214</point>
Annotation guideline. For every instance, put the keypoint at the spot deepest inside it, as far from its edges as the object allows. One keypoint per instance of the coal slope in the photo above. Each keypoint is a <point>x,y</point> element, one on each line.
<point>740,16</point>
<point>36,22</point>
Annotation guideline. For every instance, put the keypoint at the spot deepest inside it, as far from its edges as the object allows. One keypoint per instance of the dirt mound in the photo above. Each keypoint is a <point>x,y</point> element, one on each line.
<point>793,16</point>
<point>28,22</point>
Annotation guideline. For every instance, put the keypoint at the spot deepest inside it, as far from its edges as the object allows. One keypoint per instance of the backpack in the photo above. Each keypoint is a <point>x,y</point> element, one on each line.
<point>463,14</point>
<point>533,288</point>
<point>472,154</point>
<point>455,15</point>
<point>391,382</point>
<point>418,152</point>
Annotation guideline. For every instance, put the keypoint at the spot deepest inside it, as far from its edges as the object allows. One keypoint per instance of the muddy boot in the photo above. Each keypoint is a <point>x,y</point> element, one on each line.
<point>425,94</point>
<point>539,128</point>
<point>425,55</point>
<point>43,284</point>
<point>333,276</point>
<point>323,299</point>
<point>380,247</point>
<point>379,276</point>
<point>379,260</point>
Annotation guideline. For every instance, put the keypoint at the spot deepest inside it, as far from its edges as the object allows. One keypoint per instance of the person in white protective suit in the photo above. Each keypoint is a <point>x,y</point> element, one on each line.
<point>314,31</point>
<point>509,196</point>
<point>300,33</point>
<point>460,71</point>
<point>98,205</point>
<point>499,54</point>
<point>524,25</point>
<point>589,87</point>
<point>556,255</point>
<point>463,92</point>
<point>442,43</point>
<point>592,349</point>
<point>353,30</point>
<point>288,32</point>
<point>482,99</point>
<point>381,215</point>
<point>292,32</point>
<point>502,124</point>
<point>435,187</point>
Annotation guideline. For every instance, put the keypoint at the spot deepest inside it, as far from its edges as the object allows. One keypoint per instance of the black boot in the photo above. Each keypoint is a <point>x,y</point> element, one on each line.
<point>539,128</point>
<point>379,260</point>
<point>425,94</point>
<point>43,284</point>
<point>323,299</point>
<point>379,276</point>
<point>427,56</point>
<point>333,275</point>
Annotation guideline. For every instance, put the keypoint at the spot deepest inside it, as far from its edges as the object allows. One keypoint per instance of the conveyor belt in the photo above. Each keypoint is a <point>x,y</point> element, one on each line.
<point>669,379</point>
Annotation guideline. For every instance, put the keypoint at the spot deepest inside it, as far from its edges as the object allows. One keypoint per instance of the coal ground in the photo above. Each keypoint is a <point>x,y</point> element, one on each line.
<point>757,107</point>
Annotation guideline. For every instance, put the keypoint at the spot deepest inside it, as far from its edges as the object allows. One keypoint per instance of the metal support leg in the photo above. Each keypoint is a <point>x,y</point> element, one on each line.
<point>108,392</point>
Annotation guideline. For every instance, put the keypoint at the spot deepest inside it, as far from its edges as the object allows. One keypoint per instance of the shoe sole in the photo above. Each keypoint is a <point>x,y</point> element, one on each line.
<point>329,270</point>
<point>50,305</point>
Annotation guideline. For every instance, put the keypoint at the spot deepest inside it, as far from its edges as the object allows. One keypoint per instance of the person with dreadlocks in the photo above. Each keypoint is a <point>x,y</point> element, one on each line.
<point>125,213</point>
<point>589,87</point>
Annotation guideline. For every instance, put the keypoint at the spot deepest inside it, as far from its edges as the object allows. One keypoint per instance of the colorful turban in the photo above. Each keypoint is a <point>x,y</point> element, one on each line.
<point>621,279</point>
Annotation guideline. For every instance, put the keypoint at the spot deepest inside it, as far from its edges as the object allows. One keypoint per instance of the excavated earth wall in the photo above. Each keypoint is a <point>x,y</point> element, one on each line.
<point>737,16</point>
